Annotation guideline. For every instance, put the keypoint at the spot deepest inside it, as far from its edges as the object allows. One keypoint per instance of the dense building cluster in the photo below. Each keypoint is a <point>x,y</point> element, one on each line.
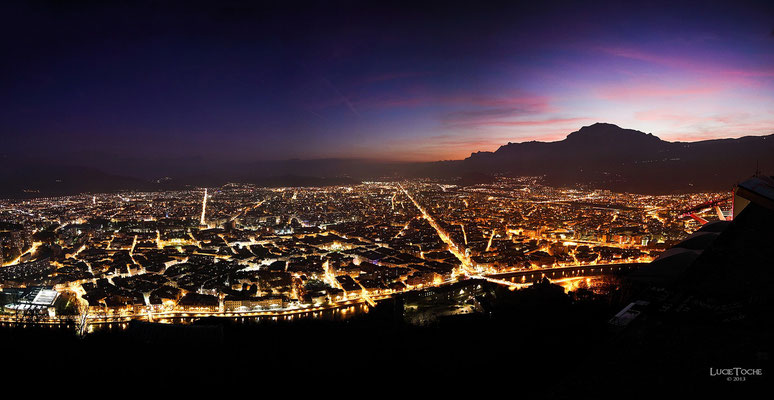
<point>245,249</point>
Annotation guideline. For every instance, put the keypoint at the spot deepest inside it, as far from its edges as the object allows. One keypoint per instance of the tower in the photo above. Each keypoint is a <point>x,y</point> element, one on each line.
<point>204,207</point>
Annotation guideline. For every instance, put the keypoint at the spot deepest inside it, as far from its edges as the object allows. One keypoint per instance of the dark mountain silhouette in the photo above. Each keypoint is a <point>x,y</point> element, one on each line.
<point>601,155</point>
<point>29,180</point>
<point>610,157</point>
<point>26,180</point>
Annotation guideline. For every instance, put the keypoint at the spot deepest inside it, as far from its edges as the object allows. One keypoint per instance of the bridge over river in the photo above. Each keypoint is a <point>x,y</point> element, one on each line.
<point>536,275</point>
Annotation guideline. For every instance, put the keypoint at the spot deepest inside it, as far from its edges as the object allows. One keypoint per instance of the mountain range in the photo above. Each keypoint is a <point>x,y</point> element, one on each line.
<point>610,157</point>
<point>601,155</point>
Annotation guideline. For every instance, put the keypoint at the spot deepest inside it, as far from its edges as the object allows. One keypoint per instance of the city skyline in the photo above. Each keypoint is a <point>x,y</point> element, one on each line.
<point>573,199</point>
<point>434,81</point>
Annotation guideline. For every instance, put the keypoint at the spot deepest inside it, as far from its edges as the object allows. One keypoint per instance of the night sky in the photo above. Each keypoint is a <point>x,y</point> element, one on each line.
<point>233,80</point>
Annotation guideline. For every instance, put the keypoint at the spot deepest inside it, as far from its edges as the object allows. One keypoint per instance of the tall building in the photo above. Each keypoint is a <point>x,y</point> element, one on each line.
<point>204,208</point>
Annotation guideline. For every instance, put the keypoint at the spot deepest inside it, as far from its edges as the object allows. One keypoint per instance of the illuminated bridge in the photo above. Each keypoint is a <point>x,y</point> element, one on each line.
<point>536,275</point>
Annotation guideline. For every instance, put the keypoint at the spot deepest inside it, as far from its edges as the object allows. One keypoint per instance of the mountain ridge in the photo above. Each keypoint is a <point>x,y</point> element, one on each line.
<point>600,155</point>
<point>612,157</point>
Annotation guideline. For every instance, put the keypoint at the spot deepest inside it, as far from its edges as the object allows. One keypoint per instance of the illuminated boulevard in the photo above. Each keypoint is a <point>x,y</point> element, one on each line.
<point>520,278</point>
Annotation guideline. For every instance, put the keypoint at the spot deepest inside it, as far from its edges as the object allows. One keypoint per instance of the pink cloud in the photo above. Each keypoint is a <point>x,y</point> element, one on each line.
<point>516,99</point>
<point>552,121</point>
<point>438,147</point>
<point>722,132</point>
<point>687,118</point>
<point>636,54</point>
<point>688,64</point>
<point>690,127</point>
<point>638,91</point>
<point>458,146</point>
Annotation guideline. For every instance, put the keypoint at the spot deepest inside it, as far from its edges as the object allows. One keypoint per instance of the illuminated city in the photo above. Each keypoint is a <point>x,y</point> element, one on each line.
<point>562,199</point>
<point>287,252</point>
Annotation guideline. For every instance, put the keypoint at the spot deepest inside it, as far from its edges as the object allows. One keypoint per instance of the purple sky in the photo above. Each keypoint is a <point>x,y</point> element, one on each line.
<point>436,81</point>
